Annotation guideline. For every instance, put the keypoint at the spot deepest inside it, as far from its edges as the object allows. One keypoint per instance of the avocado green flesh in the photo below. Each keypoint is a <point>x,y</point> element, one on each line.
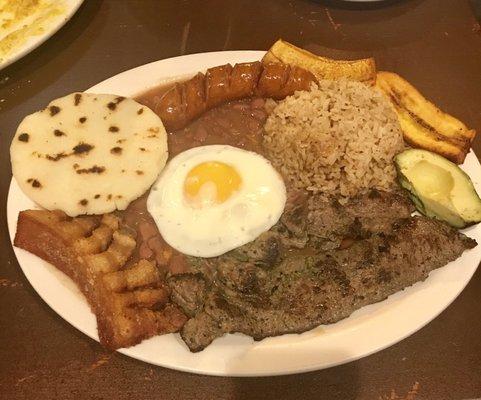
<point>438,187</point>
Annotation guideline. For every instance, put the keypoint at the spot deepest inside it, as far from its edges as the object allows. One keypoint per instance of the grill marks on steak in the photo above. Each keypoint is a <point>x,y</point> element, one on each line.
<point>329,222</point>
<point>265,290</point>
<point>188,292</point>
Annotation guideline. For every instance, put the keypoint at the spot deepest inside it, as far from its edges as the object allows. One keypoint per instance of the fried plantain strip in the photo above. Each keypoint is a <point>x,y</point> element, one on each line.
<point>363,70</point>
<point>423,124</point>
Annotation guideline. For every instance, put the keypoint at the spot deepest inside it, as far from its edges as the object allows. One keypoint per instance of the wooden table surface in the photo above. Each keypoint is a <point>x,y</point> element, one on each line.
<point>436,44</point>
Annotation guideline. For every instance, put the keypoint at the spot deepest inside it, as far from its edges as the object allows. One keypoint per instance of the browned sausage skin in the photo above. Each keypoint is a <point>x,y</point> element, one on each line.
<point>188,100</point>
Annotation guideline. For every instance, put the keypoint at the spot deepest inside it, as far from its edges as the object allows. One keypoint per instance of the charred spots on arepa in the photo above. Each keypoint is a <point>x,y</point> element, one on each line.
<point>24,137</point>
<point>78,150</point>
<point>56,157</point>
<point>77,99</point>
<point>34,182</point>
<point>54,110</point>
<point>82,148</point>
<point>95,169</point>
<point>154,133</point>
<point>112,105</point>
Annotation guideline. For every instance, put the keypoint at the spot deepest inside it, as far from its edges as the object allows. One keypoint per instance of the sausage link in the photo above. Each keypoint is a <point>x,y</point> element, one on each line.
<point>293,79</point>
<point>194,97</point>
<point>217,85</point>
<point>244,79</point>
<point>171,108</point>
<point>272,80</point>
<point>188,100</point>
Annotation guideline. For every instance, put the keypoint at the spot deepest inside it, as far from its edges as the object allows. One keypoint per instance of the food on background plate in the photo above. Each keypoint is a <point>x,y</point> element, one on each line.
<point>187,100</point>
<point>337,139</point>
<point>223,242</point>
<point>212,199</point>
<point>22,19</point>
<point>323,68</point>
<point>88,153</point>
<point>438,187</point>
<point>423,124</point>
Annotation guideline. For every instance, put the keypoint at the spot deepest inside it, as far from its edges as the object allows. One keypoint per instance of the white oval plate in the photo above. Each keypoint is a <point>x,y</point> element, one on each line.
<point>368,330</point>
<point>31,43</point>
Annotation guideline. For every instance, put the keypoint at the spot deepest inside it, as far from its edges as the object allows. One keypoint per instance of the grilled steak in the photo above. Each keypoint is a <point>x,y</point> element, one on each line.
<point>327,223</point>
<point>330,222</point>
<point>188,292</point>
<point>269,288</point>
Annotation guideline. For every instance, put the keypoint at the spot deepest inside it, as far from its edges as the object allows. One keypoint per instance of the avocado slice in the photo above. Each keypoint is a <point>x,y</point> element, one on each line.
<point>438,188</point>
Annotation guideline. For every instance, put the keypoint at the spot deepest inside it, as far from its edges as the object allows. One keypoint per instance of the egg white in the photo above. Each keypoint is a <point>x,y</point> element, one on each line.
<point>219,228</point>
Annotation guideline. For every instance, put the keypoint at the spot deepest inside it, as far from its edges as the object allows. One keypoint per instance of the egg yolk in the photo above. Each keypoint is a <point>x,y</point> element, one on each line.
<point>211,182</point>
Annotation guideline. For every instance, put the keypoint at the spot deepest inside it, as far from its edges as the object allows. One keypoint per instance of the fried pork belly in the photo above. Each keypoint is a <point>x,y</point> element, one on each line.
<point>131,302</point>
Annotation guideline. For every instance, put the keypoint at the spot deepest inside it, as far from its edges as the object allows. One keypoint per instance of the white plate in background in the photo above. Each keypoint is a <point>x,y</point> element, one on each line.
<point>34,41</point>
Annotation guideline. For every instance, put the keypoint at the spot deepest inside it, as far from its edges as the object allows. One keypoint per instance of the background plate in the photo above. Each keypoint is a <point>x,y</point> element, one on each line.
<point>366,331</point>
<point>71,7</point>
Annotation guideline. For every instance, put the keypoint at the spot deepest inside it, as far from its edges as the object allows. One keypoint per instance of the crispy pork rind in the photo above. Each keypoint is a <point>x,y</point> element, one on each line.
<point>131,302</point>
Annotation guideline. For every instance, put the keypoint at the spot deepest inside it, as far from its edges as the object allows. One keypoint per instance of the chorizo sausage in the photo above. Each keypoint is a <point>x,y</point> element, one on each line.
<point>217,85</point>
<point>244,80</point>
<point>188,100</point>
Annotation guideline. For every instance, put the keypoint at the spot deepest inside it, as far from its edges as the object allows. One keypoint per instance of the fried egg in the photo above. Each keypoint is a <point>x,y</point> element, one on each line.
<point>212,199</point>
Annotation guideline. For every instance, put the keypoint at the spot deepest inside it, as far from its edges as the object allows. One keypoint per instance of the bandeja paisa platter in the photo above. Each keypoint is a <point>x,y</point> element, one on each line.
<point>256,219</point>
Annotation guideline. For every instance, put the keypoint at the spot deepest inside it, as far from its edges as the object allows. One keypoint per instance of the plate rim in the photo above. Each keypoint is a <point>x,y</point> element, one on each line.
<point>219,372</point>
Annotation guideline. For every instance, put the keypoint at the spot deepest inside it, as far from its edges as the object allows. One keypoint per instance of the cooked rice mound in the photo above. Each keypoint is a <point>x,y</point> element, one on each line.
<point>338,139</point>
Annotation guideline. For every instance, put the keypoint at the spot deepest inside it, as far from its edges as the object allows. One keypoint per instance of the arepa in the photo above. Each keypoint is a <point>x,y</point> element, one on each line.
<point>88,153</point>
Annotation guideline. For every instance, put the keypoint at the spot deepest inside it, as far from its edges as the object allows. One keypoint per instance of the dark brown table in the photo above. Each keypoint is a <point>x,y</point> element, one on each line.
<point>436,44</point>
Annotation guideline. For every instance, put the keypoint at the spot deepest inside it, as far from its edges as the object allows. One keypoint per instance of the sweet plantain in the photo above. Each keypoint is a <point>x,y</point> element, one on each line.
<point>323,68</point>
<point>423,124</point>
